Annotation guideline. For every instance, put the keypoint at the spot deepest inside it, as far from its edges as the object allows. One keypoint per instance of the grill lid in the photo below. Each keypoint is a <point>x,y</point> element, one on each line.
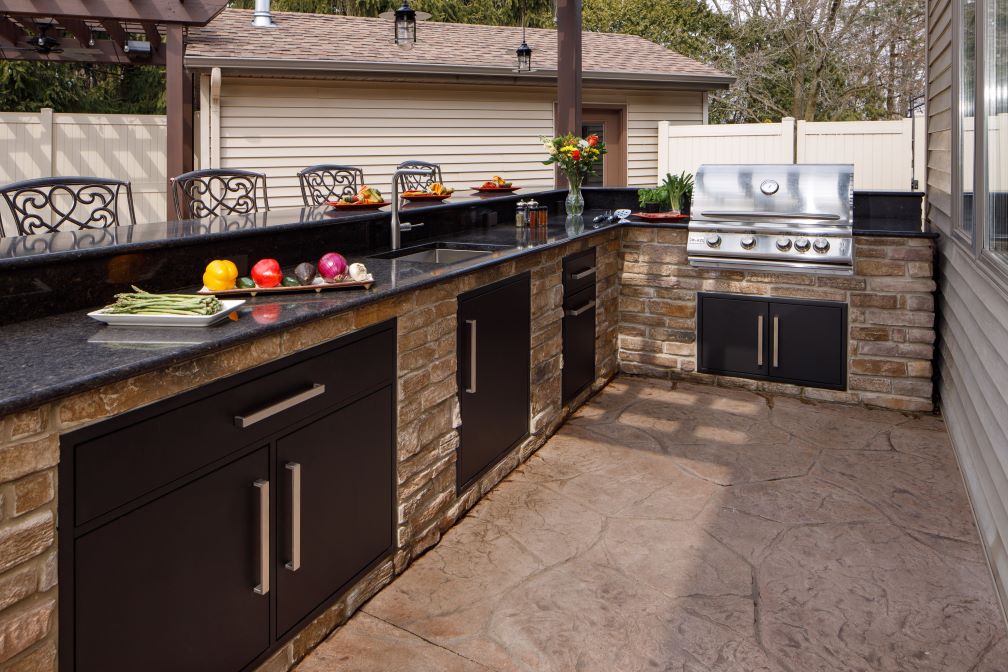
<point>803,194</point>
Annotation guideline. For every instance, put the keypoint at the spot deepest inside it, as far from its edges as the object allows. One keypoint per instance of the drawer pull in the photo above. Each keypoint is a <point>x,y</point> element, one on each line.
<point>585,308</point>
<point>776,340</point>
<point>243,421</point>
<point>583,274</point>
<point>264,537</point>
<point>471,389</point>
<point>295,508</point>
<point>759,340</point>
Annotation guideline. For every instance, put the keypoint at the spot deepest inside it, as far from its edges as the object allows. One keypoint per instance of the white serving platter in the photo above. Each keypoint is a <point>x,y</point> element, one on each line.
<point>122,320</point>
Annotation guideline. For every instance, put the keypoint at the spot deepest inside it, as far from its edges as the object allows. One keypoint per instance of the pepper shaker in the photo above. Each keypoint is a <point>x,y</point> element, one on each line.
<point>521,215</point>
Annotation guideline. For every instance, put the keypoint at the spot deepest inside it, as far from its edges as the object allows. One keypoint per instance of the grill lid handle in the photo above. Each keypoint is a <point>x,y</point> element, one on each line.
<point>775,215</point>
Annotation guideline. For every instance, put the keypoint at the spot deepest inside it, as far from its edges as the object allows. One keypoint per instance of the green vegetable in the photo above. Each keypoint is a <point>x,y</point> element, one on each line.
<point>671,194</point>
<point>145,303</point>
<point>245,283</point>
<point>290,281</point>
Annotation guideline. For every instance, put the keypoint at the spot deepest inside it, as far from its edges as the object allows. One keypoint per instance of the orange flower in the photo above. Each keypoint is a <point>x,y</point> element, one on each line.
<point>592,140</point>
<point>576,155</point>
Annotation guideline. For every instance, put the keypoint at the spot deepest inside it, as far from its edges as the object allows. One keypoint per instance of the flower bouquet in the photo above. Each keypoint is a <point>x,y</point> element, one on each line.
<point>576,158</point>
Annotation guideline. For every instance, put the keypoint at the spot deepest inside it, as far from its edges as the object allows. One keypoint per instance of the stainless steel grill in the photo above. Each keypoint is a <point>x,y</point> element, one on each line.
<point>773,217</point>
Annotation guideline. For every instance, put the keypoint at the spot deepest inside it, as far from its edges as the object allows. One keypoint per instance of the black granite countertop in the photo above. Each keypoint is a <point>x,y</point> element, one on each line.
<point>61,354</point>
<point>52,357</point>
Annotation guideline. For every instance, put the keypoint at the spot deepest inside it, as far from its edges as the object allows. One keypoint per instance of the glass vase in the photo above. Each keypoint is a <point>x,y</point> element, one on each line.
<point>574,204</point>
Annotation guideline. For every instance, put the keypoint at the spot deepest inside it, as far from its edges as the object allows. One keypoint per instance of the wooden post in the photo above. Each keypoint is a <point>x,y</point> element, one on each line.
<point>179,102</point>
<point>569,66</point>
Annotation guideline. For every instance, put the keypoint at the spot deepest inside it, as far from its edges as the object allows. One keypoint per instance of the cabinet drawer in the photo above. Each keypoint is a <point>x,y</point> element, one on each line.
<point>578,343</point>
<point>146,449</point>
<point>579,271</point>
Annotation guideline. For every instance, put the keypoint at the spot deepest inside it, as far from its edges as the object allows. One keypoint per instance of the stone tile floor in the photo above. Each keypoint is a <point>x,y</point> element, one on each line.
<point>680,527</point>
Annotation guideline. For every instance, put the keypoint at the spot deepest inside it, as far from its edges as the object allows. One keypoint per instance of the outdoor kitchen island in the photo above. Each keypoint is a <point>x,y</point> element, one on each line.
<point>79,384</point>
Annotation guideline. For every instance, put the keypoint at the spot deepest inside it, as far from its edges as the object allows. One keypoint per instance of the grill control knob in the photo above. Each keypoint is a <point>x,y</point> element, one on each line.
<point>748,242</point>
<point>801,244</point>
<point>713,240</point>
<point>821,245</point>
<point>783,244</point>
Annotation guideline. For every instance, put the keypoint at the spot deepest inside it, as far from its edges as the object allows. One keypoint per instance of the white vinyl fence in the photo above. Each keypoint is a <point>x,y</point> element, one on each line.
<point>127,147</point>
<point>883,152</point>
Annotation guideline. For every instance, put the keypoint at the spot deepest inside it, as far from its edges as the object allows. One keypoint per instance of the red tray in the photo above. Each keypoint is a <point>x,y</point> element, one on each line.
<point>495,190</point>
<point>336,205</point>
<point>428,197</point>
<point>662,216</point>
<point>280,289</point>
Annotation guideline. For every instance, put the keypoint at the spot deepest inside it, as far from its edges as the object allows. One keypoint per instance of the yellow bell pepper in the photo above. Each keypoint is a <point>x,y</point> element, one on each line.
<point>220,274</point>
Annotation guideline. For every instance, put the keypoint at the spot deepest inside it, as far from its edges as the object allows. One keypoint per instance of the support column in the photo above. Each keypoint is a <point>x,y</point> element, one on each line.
<point>178,83</point>
<point>569,66</point>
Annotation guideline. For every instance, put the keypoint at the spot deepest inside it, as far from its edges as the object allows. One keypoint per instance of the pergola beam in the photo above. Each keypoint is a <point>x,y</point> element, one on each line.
<point>190,12</point>
<point>153,36</point>
<point>569,66</point>
<point>116,32</point>
<point>78,29</point>
<point>10,32</point>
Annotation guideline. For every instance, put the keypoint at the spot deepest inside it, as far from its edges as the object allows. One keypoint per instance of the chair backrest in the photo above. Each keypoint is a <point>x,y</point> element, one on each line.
<point>328,181</point>
<point>216,191</point>
<point>418,182</point>
<point>48,204</point>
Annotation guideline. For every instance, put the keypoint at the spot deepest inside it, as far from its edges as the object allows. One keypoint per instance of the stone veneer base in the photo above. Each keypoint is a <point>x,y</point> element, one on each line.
<point>890,331</point>
<point>646,308</point>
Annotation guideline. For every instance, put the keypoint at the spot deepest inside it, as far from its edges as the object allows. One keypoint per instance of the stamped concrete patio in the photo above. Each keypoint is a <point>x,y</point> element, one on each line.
<point>680,527</point>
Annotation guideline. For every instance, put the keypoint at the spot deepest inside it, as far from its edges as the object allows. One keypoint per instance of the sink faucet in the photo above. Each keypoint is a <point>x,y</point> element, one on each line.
<point>404,226</point>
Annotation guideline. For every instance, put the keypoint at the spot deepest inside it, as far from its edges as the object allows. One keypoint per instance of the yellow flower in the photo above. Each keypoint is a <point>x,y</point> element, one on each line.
<point>567,149</point>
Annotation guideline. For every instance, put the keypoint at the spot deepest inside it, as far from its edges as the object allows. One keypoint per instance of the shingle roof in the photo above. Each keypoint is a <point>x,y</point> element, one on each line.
<point>349,40</point>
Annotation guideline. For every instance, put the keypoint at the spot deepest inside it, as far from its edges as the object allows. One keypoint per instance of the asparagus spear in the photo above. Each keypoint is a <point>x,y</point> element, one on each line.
<point>145,303</point>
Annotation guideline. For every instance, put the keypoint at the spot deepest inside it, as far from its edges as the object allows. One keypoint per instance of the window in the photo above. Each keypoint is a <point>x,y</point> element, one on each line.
<point>995,88</point>
<point>967,107</point>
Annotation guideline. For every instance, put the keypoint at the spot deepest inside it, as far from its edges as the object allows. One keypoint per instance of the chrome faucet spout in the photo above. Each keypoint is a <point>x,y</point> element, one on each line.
<point>398,227</point>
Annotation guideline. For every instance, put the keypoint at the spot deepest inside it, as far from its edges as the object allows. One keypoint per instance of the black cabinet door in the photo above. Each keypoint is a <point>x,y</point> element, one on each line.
<point>733,335</point>
<point>170,586</point>
<point>344,501</point>
<point>808,343</point>
<point>494,342</point>
<point>578,343</point>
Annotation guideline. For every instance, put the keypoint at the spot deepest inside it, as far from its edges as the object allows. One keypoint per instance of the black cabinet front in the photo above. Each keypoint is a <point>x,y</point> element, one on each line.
<point>579,279</point>
<point>334,503</point>
<point>210,565</point>
<point>493,370</point>
<point>786,340</point>
<point>171,586</point>
<point>732,335</point>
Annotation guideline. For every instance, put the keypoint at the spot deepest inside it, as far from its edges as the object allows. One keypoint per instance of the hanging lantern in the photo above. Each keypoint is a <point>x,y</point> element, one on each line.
<point>524,53</point>
<point>405,26</point>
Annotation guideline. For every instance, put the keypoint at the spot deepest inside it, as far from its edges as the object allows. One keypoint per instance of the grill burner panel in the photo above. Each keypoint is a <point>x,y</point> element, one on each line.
<point>773,217</point>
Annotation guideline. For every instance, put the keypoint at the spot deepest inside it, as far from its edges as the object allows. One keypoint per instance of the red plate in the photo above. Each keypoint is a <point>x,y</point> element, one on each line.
<point>491,190</point>
<point>428,197</point>
<point>356,206</point>
<point>662,216</point>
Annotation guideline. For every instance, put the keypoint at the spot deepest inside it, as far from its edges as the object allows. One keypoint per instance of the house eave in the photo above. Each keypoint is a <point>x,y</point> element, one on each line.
<point>293,68</point>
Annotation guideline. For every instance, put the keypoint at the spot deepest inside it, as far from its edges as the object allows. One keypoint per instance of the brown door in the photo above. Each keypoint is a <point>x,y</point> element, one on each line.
<point>610,126</point>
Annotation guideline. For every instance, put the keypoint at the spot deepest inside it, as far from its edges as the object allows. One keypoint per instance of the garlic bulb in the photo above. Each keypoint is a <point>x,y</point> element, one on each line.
<point>359,273</point>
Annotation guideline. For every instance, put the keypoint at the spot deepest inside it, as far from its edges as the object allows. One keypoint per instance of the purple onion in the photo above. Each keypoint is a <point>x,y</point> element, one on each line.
<point>332,265</point>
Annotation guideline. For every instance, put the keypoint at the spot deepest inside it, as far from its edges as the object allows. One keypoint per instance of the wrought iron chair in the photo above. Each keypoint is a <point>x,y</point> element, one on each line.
<point>328,182</point>
<point>215,191</point>
<point>48,204</point>
<point>418,182</point>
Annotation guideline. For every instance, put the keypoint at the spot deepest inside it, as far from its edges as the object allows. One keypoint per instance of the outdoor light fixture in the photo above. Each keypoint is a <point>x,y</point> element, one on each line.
<point>524,53</point>
<point>405,24</point>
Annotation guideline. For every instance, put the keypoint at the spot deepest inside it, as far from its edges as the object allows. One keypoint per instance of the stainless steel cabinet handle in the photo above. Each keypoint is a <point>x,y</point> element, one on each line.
<point>583,274</point>
<point>243,421</point>
<point>776,339</point>
<point>295,508</point>
<point>759,340</point>
<point>264,537</point>
<point>574,313</point>
<point>471,389</point>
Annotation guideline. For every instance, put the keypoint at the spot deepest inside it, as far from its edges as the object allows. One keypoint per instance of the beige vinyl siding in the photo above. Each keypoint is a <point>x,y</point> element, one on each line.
<point>973,319</point>
<point>278,126</point>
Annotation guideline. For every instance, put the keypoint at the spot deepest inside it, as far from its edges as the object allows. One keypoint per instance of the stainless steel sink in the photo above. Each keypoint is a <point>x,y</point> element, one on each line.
<point>442,253</point>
